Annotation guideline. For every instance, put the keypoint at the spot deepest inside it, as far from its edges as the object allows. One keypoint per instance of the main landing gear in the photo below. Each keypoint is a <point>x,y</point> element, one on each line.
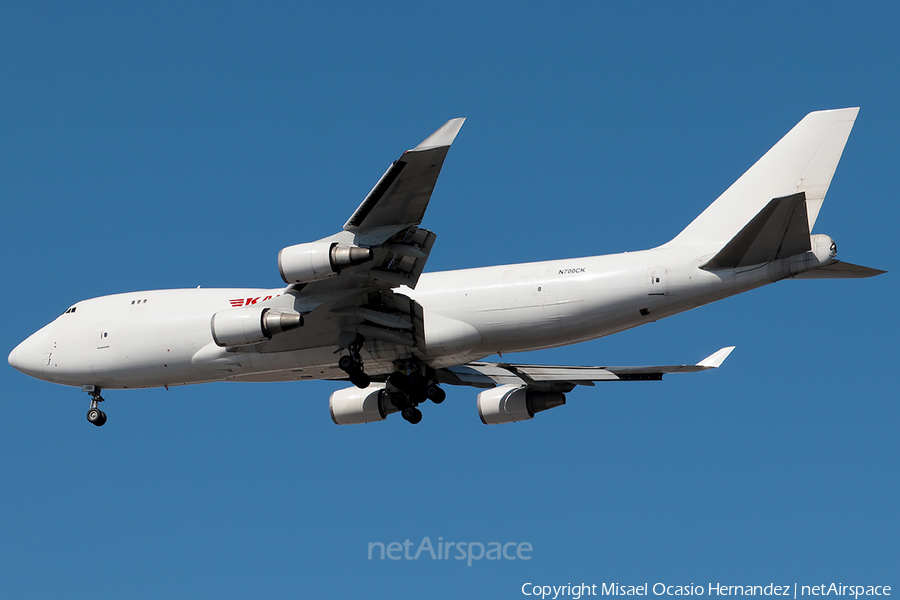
<point>352,365</point>
<point>414,382</point>
<point>415,388</point>
<point>94,414</point>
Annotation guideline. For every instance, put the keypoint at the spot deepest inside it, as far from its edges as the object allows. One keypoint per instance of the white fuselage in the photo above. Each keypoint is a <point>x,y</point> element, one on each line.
<point>161,338</point>
<point>348,301</point>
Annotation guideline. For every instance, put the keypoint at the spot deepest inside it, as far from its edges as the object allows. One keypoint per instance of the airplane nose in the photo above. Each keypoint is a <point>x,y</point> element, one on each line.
<point>28,357</point>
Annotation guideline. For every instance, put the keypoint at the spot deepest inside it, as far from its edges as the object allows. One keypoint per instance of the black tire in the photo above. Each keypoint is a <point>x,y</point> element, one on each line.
<point>102,420</point>
<point>435,394</point>
<point>346,364</point>
<point>408,412</point>
<point>360,379</point>
<point>416,380</point>
<point>94,415</point>
<point>416,417</point>
<point>399,401</point>
<point>400,381</point>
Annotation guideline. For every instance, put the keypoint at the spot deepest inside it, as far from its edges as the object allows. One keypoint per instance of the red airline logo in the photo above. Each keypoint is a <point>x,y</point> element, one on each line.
<point>239,302</point>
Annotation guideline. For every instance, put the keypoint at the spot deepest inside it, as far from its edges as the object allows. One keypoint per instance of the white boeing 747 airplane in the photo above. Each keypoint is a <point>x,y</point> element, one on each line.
<point>357,306</point>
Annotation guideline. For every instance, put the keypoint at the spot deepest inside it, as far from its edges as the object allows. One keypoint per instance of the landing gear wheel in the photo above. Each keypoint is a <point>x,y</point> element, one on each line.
<point>416,380</point>
<point>400,381</point>
<point>412,415</point>
<point>346,364</point>
<point>352,365</point>
<point>415,383</point>
<point>96,417</point>
<point>360,379</point>
<point>435,394</point>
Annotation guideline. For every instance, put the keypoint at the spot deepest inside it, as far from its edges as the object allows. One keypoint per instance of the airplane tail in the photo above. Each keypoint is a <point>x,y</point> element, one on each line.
<point>764,207</point>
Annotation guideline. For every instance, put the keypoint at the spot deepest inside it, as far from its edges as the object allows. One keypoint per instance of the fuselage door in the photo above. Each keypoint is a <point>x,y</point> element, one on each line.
<point>656,277</point>
<point>103,336</point>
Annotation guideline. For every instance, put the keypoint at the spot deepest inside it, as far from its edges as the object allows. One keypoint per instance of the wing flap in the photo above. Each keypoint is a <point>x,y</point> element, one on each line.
<point>479,374</point>
<point>404,257</point>
<point>575,374</point>
<point>388,317</point>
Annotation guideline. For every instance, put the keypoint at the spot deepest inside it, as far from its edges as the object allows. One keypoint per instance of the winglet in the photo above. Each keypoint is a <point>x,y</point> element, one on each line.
<point>443,136</point>
<point>715,359</point>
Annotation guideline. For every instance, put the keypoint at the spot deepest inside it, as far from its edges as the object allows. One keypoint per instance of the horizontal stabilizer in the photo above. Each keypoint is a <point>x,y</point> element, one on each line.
<point>840,270</point>
<point>779,230</point>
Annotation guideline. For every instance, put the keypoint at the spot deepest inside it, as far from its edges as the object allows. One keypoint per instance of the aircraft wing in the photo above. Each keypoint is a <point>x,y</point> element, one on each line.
<point>362,299</point>
<point>564,379</point>
<point>387,220</point>
<point>400,197</point>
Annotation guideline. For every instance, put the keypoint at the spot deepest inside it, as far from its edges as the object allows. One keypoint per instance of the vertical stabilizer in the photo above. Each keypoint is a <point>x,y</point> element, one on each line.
<point>804,160</point>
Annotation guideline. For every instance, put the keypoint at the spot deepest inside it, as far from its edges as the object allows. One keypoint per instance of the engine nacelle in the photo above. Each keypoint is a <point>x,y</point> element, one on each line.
<point>251,325</point>
<point>511,403</point>
<point>353,405</point>
<point>318,260</point>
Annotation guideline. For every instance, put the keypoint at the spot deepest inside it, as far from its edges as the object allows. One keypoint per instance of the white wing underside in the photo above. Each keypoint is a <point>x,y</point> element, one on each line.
<point>483,374</point>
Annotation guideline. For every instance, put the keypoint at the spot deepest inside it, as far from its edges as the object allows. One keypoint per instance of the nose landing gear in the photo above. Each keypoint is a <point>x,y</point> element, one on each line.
<point>95,415</point>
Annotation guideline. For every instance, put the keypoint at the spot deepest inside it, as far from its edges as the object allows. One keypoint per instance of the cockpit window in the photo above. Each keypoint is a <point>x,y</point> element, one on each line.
<point>71,310</point>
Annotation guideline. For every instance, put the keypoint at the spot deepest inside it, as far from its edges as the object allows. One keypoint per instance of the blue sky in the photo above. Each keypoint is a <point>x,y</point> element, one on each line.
<point>184,144</point>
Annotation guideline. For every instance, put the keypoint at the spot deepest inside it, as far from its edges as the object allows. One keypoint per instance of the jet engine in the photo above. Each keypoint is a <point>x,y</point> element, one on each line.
<point>353,405</point>
<point>251,325</point>
<point>511,403</point>
<point>318,260</point>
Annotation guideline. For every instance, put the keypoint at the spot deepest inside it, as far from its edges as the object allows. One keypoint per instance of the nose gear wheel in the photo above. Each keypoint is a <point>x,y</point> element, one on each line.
<point>95,416</point>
